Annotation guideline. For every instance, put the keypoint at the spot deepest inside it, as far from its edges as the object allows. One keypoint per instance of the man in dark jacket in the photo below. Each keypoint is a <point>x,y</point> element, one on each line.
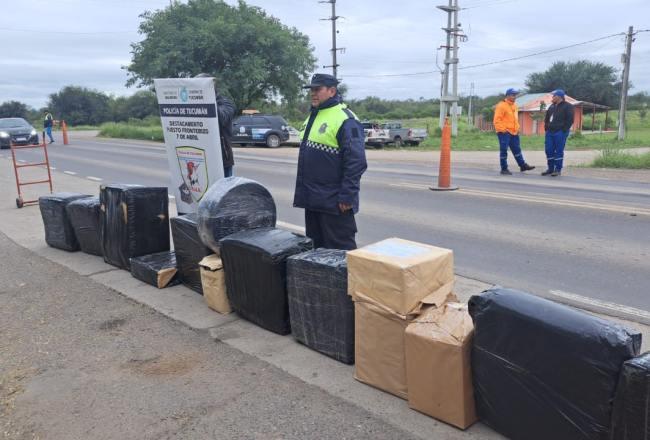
<point>225,114</point>
<point>557,124</point>
<point>331,160</point>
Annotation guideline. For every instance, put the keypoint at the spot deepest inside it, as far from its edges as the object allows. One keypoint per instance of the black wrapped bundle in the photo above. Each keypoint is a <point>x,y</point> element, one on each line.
<point>189,251</point>
<point>231,205</point>
<point>84,214</point>
<point>135,222</point>
<point>543,370</point>
<point>320,309</point>
<point>59,232</point>
<point>631,419</point>
<point>256,274</point>
<point>157,269</point>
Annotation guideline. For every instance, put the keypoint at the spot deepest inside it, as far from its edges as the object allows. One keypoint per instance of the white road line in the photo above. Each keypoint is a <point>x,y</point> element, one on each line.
<point>291,227</point>
<point>72,173</point>
<point>21,160</point>
<point>535,199</point>
<point>171,197</point>
<point>52,168</point>
<point>605,307</point>
<point>96,179</point>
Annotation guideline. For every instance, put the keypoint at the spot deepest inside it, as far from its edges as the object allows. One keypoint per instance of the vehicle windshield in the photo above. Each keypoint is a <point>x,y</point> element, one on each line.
<point>13,123</point>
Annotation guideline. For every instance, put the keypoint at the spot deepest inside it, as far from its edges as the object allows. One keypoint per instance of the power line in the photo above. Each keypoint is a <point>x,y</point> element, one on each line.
<point>542,52</point>
<point>492,62</point>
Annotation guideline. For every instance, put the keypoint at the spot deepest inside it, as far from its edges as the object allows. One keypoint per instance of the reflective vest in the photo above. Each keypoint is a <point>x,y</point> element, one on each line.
<point>325,127</point>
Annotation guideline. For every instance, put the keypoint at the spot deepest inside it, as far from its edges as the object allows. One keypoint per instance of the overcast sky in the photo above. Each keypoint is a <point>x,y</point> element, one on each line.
<point>47,44</point>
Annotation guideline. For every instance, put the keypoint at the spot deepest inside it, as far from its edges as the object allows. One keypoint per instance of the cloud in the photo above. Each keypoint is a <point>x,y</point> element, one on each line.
<point>48,45</point>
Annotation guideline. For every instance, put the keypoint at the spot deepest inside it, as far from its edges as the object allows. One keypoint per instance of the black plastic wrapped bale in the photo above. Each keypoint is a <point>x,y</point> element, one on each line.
<point>157,269</point>
<point>232,205</point>
<point>545,371</point>
<point>255,265</point>
<point>320,310</point>
<point>189,251</point>
<point>59,232</point>
<point>84,214</point>
<point>135,222</point>
<point>631,419</point>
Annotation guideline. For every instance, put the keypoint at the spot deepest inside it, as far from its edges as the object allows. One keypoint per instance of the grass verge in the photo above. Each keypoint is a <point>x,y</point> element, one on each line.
<point>612,158</point>
<point>125,130</point>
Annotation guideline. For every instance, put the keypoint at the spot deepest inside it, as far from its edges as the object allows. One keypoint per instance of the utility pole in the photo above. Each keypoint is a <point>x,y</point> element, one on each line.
<point>334,49</point>
<point>470,120</point>
<point>449,99</point>
<point>625,83</point>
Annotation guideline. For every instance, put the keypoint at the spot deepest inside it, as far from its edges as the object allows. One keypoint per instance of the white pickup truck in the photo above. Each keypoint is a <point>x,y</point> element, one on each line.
<point>375,135</point>
<point>404,136</point>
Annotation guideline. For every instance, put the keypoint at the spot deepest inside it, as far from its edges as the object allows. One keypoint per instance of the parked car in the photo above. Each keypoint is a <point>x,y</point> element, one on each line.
<point>294,137</point>
<point>269,130</point>
<point>375,135</point>
<point>404,136</point>
<point>18,131</point>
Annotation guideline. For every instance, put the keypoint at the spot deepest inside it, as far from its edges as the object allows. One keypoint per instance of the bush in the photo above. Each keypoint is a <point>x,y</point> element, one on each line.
<point>124,130</point>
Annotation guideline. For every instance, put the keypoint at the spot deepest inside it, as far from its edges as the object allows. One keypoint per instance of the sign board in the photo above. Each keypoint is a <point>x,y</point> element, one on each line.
<point>188,111</point>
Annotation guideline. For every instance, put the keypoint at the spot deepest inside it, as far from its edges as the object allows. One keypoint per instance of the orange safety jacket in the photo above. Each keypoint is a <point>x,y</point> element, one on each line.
<point>506,117</point>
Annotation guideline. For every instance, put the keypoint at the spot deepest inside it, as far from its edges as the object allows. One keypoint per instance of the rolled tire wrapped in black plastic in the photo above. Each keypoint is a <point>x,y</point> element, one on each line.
<point>231,205</point>
<point>543,370</point>
<point>84,214</point>
<point>255,265</point>
<point>59,232</point>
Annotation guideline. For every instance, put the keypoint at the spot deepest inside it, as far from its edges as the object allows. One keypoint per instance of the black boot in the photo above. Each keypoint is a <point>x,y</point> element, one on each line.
<point>526,167</point>
<point>547,172</point>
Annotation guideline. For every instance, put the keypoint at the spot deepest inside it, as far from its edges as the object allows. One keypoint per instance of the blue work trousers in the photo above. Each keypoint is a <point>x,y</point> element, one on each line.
<point>554,143</point>
<point>507,140</point>
<point>48,131</point>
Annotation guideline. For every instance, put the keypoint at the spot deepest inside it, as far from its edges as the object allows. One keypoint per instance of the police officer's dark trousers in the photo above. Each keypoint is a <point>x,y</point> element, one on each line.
<point>331,231</point>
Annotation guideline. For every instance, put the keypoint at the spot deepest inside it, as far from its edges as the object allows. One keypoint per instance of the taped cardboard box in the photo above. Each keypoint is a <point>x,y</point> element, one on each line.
<point>380,358</point>
<point>213,281</point>
<point>438,367</point>
<point>399,274</point>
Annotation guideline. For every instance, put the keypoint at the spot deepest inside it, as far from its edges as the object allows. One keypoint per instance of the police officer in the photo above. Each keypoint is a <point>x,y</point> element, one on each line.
<point>331,161</point>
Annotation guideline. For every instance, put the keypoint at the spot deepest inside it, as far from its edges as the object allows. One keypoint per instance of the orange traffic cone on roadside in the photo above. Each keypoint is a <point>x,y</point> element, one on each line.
<point>64,130</point>
<point>444,173</point>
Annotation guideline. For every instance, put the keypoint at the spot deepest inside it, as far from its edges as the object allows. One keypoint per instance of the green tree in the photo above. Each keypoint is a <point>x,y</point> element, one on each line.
<point>14,109</point>
<point>137,106</point>
<point>80,106</point>
<point>582,80</point>
<point>253,56</point>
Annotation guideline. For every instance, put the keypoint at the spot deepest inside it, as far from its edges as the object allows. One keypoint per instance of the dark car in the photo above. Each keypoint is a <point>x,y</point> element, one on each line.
<point>17,131</point>
<point>269,130</point>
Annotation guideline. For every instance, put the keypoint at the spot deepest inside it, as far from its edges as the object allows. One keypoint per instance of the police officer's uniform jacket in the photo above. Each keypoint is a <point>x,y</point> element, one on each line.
<point>331,159</point>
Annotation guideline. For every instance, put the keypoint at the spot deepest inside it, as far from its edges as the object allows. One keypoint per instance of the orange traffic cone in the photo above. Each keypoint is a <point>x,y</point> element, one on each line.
<point>444,174</point>
<point>64,129</point>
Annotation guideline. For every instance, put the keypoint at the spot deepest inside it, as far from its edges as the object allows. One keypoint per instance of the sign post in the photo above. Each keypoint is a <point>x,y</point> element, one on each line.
<point>188,112</point>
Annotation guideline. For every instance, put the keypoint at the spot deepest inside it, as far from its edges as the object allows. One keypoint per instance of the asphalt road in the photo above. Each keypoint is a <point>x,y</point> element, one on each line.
<point>589,237</point>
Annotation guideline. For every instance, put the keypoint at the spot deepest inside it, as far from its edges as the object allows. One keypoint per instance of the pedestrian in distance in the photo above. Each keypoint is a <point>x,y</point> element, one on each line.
<point>48,123</point>
<point>557,125</point>
<point>506,124</point>
<point>225,115</point>
<point>331,161</point>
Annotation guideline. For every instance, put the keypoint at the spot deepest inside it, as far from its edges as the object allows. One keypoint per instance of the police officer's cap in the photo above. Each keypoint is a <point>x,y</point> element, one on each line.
<point>322,79</point>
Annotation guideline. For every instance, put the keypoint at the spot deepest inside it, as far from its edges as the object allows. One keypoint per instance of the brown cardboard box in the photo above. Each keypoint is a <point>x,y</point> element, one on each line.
<point>379,345</point>
<point>400,274</point>
<point>214,284</point>
<point>438,369</point>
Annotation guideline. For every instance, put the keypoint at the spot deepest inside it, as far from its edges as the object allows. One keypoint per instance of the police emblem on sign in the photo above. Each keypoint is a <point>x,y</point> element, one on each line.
<point>323,128</point>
